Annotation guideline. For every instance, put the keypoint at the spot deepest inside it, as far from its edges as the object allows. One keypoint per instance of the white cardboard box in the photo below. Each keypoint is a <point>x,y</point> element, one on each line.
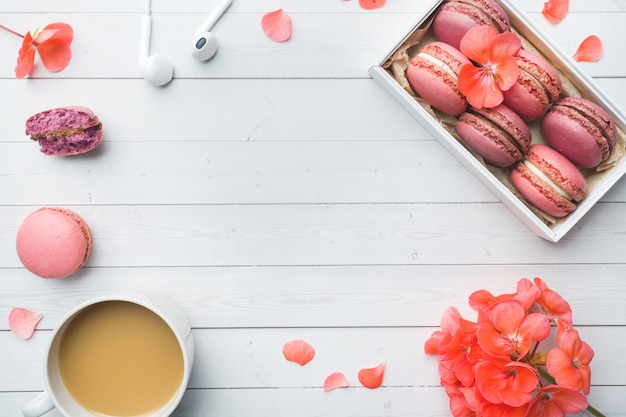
<point>599,182</point>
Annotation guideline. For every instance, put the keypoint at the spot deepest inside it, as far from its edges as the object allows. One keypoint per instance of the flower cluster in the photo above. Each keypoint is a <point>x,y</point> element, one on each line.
<point>493,367</point>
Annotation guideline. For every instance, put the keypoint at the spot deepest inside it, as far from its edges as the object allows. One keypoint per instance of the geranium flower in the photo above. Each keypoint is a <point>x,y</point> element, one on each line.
<point>496,69</point>
<point>506,382</point>
<point>510,330</point>
<point>52,44</point>
<point>569,363</point>
<point>557,401</point>
<point>555,307</point>
<point>494,367</point>
<point>457,347</point>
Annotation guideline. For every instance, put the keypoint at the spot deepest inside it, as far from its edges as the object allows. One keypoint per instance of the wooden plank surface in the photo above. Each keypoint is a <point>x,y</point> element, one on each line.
<point>277,192</point>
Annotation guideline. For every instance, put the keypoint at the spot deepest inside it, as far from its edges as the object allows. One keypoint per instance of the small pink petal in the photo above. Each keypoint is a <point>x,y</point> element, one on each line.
<point>555,10</point>
<point>371,4</point>
<point>334,381</point>
<point>590,50</point>
<point>23,322</point>
<point>372,377</point>
<point>298,351</point>
<point>277,25</point>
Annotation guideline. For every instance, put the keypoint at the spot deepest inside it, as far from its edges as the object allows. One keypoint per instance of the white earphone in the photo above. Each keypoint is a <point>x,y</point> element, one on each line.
<point>156,69</point>
<point>204,42</point>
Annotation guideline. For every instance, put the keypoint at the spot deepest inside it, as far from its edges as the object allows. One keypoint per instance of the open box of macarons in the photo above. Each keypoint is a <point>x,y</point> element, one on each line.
<point>552,148</point>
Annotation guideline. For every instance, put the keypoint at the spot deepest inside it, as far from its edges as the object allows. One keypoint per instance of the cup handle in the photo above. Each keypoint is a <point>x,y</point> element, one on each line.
<point>38,406</point>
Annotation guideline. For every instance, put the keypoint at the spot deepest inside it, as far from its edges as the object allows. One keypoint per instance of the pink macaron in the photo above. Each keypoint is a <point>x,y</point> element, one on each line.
<point>497,134</point>
<point>549,181</point>
<point>53,242</point>
<point>456,17</point>
<point>433,75</point>
<point>538,85</point>
<point>65,130</point>
<point>581,130</point>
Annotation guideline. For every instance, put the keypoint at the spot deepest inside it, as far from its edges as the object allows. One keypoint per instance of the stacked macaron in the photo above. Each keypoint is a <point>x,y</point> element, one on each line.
<point>579,133</point>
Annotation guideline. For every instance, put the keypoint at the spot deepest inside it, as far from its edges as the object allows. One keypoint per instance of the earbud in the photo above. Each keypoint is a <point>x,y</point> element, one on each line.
<point>204,42</point>
<point>156,69</point>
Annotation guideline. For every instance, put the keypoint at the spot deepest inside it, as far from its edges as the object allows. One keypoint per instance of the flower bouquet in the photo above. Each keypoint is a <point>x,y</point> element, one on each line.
<point>494,368</point>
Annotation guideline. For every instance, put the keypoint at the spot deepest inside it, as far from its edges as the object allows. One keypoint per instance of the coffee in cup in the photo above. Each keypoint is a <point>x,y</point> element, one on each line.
<point>119,356</point>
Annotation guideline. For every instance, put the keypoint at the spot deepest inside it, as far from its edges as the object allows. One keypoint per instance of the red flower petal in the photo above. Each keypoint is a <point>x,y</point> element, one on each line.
<point>23,322</point>
<point>372,377</point>
<point>590,50</point>
<point>372,4</point>
<point>479,87</point>
<point>334,381</point>
<point>298,351</point>
<point>277,25</point>
<point>555,10</point>
<point>53,45</point>
<point>25,58</point>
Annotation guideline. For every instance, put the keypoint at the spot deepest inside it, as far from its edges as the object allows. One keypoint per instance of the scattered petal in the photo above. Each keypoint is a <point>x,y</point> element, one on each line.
<point>277,25</point>
<point>372,4</point>
<point>334,381</point>
<point>590,50</point>
<point>555,10</point>
<point>372,377</point>
<point>23,322</point>
<point>298,351</point>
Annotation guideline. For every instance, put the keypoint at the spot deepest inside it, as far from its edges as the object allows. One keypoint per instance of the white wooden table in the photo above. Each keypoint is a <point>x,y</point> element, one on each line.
<point>277,192</point>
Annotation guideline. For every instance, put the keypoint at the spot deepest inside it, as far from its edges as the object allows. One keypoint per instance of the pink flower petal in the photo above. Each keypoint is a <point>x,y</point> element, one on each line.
<point>371,4</point>
<point>372,377</point>
<point>555,10</point>
<point>590,50</point>
<point>334,381</point>
<point>298,351</point>
<point>277,25</point>
<point>23,322</point>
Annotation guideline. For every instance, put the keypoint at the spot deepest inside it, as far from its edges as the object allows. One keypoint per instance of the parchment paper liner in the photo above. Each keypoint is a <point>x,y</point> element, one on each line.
<point>397,64</point>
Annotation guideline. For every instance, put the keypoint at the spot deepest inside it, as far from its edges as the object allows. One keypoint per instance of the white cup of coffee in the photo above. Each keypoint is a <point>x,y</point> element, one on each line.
<point>119,355</point>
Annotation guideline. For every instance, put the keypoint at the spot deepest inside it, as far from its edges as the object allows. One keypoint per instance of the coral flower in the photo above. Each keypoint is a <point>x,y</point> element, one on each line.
<point>569,363</point>
<point>510,383</point>
<point>510,330</point>
<point>555,307</point>
<point>556,401</point>
<point>497,70</point>
<point>52,44</point>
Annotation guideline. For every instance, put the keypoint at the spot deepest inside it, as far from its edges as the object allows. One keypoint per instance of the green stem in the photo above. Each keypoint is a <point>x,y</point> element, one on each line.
<point>545,375</point>
<point>11,30</point>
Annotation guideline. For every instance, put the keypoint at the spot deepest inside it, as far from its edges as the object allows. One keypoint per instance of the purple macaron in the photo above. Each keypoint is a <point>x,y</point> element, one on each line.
<point>581,130</point>
<point>65,130</point>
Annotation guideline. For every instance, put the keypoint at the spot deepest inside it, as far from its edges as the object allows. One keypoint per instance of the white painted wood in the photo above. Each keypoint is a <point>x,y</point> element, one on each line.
<point>277,192</point>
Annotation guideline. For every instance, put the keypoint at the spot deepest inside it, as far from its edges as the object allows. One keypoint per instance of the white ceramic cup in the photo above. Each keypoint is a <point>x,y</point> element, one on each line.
<point>55,393</point>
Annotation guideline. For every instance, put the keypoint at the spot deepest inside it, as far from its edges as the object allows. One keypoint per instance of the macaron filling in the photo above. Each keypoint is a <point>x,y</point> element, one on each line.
<point>439,63</point>
<point>536,171</point>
